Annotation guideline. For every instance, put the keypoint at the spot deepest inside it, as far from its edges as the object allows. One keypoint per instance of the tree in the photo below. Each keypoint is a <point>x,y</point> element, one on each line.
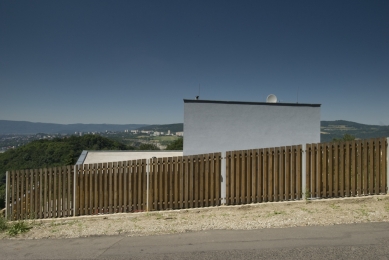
<point>176,145</point>
<point>345,138</point>
<point>146,147</point>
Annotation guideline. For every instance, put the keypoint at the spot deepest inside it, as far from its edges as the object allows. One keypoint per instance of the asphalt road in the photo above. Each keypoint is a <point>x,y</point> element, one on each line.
<point>356,241</point>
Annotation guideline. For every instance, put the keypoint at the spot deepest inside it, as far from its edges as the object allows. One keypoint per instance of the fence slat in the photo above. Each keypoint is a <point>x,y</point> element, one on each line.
<point>144,185</point>
<point>243,174</point>
<point>212,196</point>
<point>371,167</point>
<point>115,174</point>
<point>218,179</point>
<point>181,176</point>
<point>232,179</point>
<point>359,154</point>
<point>131,186</point>
<point>237,177</point>
<point>228,178</point>
<point>249,197</point>
<point>309,171</point>
<point>342,161</point>
<point>31,194</point>
<point>293,174</point>
<point>365,172</point>
<point>323,170</point>
<point>254,180</point>
<point>260,175</point>
<point>187,183</point>
<point>353,171</point>
<point>12,197</point>
<point>347,170</point>
<point>287,173</point>
<point>281,174</point>
<point>270,174</point>
<point>8,205</point>
<point>298,171</point>
<point>18,202</point>
<point>377,156</point>
<point>330,170</point>
<point>58,174</point>
<point>336,170</point>
<point>176,168</point>
<point>191,181</point>
<point>315,151</point>
<point>91,170</point>
<point>206,180</point>
<point>265,174</point>
<point>383,166</point>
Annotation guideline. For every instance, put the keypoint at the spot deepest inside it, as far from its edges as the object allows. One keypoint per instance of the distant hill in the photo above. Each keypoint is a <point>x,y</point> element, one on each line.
<point>164,128</point>
<point>329,129</point>
<point>24,127</point>
<point>337,128</point>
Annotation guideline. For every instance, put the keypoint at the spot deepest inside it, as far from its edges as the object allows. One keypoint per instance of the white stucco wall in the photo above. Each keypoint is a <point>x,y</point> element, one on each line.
<point>217,126</point>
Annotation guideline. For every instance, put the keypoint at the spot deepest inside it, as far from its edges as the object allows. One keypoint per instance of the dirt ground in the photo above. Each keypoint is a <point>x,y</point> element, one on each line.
<point>253,216</point>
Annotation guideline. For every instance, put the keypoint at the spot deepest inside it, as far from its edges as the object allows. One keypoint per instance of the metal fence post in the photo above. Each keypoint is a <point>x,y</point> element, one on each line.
<point>304,172</point>
<point>7,209</point>
<point>223,179</point>
<point>147,183</point>
<point>74,189</point>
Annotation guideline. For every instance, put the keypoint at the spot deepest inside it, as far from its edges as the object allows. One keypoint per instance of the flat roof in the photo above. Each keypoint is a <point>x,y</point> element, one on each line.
<point>89,157</point>
<point>250,103</point>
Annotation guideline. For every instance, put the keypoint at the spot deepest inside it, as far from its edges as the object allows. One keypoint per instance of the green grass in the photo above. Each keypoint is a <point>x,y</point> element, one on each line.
<point>158,215</point>
<point>3,224</point>
<point>333,206</point>
<point>363,211</point>
<point>275,213</point>
<point>307,210</point>
<point>18,228</point>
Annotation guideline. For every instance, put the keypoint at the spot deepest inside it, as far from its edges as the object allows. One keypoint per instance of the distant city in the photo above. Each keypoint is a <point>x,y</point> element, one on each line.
<point>15,133</point>
<point>131,137</point>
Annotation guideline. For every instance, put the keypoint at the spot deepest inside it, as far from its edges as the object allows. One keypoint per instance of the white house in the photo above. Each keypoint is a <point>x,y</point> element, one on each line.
<point>217,126</point>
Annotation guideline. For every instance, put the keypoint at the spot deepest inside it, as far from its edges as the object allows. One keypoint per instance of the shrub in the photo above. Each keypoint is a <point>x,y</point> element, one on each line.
<point>3,224</point>
<point>18,228</point>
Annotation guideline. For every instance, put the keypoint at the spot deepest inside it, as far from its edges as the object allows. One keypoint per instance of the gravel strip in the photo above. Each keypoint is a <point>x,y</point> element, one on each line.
<point>244,217</point>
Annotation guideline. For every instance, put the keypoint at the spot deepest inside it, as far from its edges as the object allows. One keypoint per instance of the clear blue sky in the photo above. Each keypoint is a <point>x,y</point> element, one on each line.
<point>135,61</point>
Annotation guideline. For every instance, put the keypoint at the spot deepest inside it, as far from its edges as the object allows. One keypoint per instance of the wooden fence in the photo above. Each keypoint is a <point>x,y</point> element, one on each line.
<point>347,169</point>
<point>107,188</point>
<point>261,175</point>
<point>43,193</point>
<point>173,183</point>
<point>323,170</point>
<point>185,182</point>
